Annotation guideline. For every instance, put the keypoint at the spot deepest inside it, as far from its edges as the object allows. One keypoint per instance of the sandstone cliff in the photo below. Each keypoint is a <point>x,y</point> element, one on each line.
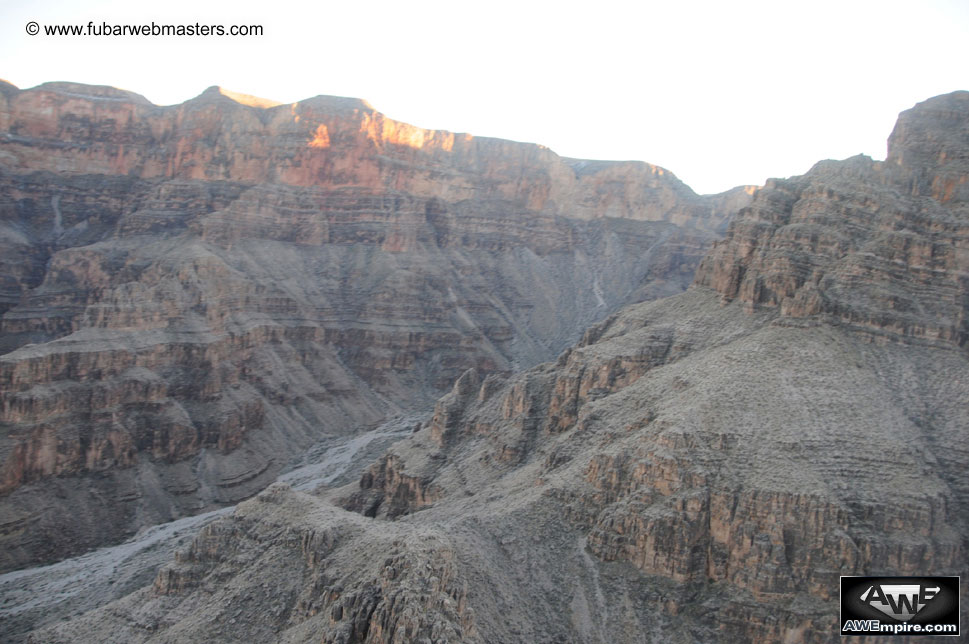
<point>702,468</point>
<point>190,295</point>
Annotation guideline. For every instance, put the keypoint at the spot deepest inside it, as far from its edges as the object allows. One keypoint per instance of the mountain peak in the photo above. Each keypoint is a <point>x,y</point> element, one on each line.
<point>218,93</point>
<point>930,143</point>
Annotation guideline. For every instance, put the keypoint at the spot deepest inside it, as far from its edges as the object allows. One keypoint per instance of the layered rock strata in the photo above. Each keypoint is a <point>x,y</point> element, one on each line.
<point>702,468</point>
<point>190,295</point>
<point>880,247</point>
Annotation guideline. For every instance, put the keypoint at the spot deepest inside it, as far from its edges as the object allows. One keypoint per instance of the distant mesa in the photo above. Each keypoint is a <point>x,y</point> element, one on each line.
<point>93,92</point>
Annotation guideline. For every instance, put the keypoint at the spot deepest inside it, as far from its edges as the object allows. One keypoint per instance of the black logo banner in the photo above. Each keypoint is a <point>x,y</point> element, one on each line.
<point>900,606</point>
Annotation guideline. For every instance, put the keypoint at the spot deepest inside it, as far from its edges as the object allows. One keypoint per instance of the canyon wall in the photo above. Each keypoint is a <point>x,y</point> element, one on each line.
<point>880,247</point>
<point>700,468</point>
<point>191,295</point>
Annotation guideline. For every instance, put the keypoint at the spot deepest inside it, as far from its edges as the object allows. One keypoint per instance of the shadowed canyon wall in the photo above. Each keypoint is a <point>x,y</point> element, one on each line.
<point>190,295</point>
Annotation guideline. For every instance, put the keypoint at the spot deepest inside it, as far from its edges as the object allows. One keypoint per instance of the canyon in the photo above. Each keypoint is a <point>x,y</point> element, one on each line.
<point>190,296</point>
<point>676,464</point>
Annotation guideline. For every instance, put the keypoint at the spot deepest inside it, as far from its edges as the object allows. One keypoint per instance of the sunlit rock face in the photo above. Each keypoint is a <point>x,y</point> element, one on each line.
<point>189,295</point>
<point>701,468</point>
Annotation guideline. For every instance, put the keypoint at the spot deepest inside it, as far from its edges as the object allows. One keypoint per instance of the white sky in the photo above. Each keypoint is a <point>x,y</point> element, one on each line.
<point>721,93</point>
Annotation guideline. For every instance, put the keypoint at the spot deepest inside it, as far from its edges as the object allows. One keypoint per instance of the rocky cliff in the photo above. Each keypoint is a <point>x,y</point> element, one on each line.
<point>701,468</point>
<point>882,248</point>
<point>190,295</point>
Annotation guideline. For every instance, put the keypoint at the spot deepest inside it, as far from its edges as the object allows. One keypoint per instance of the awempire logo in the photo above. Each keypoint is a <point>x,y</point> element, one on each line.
<point>900,605</point>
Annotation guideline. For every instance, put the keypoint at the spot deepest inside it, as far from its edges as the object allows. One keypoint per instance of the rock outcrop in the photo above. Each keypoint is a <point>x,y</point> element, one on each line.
<point>881,247</point>
<point>701,468</point>
<point>190,295</point>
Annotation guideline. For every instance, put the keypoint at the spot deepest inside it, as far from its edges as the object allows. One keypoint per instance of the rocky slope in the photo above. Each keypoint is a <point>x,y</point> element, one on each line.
<point>190,295</point>
<point>49,594</point>
<point>702,468</point>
